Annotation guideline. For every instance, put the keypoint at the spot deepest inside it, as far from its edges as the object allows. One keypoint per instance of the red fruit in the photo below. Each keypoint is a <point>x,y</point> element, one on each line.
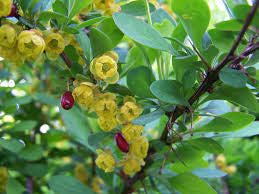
<point>14,11</point>
<point>121,142</point>
<point>67,100</point>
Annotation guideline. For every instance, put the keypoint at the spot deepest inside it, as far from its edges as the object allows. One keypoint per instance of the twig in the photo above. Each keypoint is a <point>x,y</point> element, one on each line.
<point>248,20</point>
<point>201,57</point>
<point>66,59</point>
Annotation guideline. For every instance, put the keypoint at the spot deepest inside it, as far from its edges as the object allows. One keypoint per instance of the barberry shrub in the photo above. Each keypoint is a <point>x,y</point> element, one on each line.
<point>121,96</point>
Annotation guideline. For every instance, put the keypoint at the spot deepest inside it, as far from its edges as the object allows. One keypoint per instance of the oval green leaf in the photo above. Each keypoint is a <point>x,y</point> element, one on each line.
<point>142,33</point>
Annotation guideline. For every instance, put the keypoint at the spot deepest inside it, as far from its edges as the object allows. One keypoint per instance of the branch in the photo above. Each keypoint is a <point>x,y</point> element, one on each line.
<point>248,20</point>
<point>66,59</point>
<point>212,75</point>
<point>201,57</point>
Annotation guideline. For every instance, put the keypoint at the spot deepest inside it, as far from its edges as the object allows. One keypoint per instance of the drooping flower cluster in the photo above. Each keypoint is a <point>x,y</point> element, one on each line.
<point>3,178</point>
<point>18,45</point>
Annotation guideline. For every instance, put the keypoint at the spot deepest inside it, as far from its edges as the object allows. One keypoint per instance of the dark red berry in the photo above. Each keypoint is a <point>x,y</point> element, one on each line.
<point>67,100</point>
<point>121,142</point>
<point>14,11</point>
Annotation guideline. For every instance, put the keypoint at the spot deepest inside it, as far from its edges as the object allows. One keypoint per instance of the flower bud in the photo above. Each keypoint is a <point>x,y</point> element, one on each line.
<point>121,142</point>
<point>67,100</point>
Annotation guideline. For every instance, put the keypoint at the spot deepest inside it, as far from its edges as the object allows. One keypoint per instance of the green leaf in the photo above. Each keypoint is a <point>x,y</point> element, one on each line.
<point>71,53</point>
<point>110,29</point>
<point>18,100</point>
<point>46,99</point>
<point>241,12</point>
<point>91,22</point>
<point>31,152</point>
<point>14,187</point>
<point>210,53</point>
<point>59,7</point>
<point>206,144</point>
<point>85,44</point>
<point>25,4</point>
<point>62,184</point>
<point>116,88</point>
<point>77,125</point>
<point>232,77</point>
<point>149,117</point>
<point>208,173</point>
<point>242,96</point>
<point>165,28</point>
<point>139,80</point>
<point>97,138</point>
<point>12,145</point>
<point>229,25</point>
<point>142,32</point>
<point>179,33</point>
<point>182,64</point>
<point>77,6</point>
<point>188,83</point>
<point>136,8</point>
<point>248,131</point>
<point>36,170</point>
<point>222,39</point>
<point>194,20</point>
<point>169,91</point>
<point>230,121</point>
<point>100,42</point>
<point>134,58</point>
<point>187,183</point>
<point>252,60</point>
<point>159,15</point>
<point>25,125</point>
<point>45,16</point>
<point>191,157</point>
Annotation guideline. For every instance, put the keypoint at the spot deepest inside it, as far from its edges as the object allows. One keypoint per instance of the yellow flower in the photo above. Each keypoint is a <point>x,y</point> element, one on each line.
<point>96,184</point>
<point>230,169</point>
<point>55,45</point>
<point>221,160</point>
<point>131,166</point>
<point>105,160</point>
<point>132,132</point>
<point>130,111</point>
<point>7,36</point>
<point>3,178</point>
<point>105,105</point>
<point>30,45</point>
<point>81,173</point>
<point>5,7</point>
<point>105,67</point>
<point>140,147</point>
<point>107,123</point>
<point>83,94</point>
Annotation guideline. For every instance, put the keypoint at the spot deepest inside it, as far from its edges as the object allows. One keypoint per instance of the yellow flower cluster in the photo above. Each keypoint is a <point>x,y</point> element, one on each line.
<point>111,116</point>
<point>222,164</point>
<point>104,67</point>
<point>106,6</point>
<point>5,7</point>
<point>81,173</point>
<point>55,45</point>
<point>3,178</point>
<point>17,45</point>
<point>105,160</point>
